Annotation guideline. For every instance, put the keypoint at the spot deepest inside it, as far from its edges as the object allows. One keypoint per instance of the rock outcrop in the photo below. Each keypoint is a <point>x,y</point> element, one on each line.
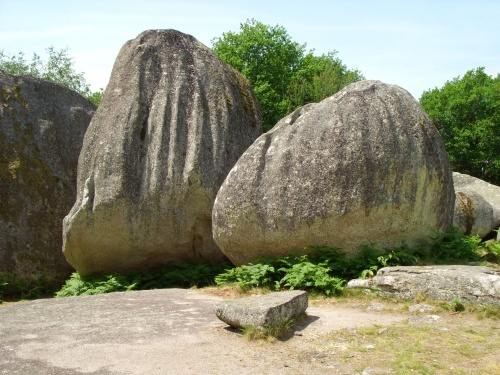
<point>365,166</point>
<point>41,134</point>
<point>477,206</point>
<point>262,311</point>
<point>468,283</point>
<point>172,122</point>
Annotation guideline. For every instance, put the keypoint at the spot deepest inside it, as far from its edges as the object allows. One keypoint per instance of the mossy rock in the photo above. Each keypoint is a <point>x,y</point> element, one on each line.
<point>41,134</point>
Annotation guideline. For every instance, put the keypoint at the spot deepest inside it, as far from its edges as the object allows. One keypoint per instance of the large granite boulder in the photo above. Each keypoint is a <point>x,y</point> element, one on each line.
<point>477,207</point>
<point>42,125</point>
<point>468,283</point>
<point>365,166</point>
<point>172,122</point>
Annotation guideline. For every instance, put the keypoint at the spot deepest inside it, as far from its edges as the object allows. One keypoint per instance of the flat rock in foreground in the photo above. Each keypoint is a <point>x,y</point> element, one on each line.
<point>264,310</point>
<point>163,331</point>
<point>468,283</point>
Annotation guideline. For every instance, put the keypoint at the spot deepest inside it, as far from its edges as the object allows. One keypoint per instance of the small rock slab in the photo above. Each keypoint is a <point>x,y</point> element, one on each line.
<point>475,284</point>
<point>426,319</point>
<point>421,308</point>
<point>262,311</point>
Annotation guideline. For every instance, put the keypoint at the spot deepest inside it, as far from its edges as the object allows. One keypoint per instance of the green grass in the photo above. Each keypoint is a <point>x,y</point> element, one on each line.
<point>276,331</point>
<point>470,347</point>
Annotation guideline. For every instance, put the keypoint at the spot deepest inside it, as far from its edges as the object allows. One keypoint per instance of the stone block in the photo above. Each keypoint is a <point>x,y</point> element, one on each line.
<point>475,284</point>
<point>262,311</point>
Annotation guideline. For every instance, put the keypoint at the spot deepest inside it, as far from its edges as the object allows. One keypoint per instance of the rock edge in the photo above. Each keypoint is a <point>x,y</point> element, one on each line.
<point>262,311</point>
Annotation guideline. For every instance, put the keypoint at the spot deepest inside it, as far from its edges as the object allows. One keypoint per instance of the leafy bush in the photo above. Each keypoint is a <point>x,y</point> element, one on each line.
<point>283,273</point>
<point>14,287</point>
<point>453,247</point>
<point>466,112</point>
<point>492,251</point>
<point>323,270</point>
<point>308,275</point>
<point>84,286</point>
<point>249,276</point>
<point>326,269</point>
<point>58,68</point>
<point>180,275</point>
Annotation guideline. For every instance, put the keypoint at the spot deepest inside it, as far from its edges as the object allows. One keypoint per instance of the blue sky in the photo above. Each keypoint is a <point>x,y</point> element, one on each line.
<point>417,45</point>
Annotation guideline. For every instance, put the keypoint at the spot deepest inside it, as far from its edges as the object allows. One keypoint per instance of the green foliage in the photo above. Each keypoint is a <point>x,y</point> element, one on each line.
<point>58,68</point>
<point>491,251</point>
<point>275,331</point>
<point>96,96</point>
<point>84,286</point>
<point>291,272</point>
<point>183,275</point>
<point>3,284</point>
<point>457,305</point>
<point>326,270</point>
<point>466,111</point>
<point>310,276</point>
<point>455,248</point>
<point>249,276</point>
<point>318,78</point>
<point>180,275</point>
<point>14,287</point>
<point>373,259</point>
<point>282,74</point>
<point>323,270</point>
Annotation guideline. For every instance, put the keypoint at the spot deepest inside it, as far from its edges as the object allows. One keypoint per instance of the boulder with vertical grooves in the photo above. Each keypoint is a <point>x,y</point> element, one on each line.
<point>172,122</point>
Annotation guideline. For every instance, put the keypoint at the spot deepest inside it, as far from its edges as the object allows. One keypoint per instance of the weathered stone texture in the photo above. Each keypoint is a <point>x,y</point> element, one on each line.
<point>42,125</point>
<point>365,166</point>
<point>172,122</point>
<point>477,207</point>
<point>468,283</point>
<point>262,311</point>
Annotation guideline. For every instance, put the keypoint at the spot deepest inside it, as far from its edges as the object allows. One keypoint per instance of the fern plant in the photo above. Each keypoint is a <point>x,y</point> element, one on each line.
<point>248,276</point>
<point>84,286</point>
<point>310,276</point>
<point>183,275</point>
<point>323,269</point>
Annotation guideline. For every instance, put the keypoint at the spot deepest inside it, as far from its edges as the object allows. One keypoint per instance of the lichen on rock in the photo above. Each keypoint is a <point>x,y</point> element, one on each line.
<point>41,133</point>
<point>365,166</point>
<point>172,122</point>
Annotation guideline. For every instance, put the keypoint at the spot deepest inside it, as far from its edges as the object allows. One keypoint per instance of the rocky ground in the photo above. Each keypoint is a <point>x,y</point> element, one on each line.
<point>175,331</point>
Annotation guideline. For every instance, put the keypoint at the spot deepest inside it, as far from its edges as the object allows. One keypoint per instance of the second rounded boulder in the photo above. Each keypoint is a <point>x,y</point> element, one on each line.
<point>365,166</point>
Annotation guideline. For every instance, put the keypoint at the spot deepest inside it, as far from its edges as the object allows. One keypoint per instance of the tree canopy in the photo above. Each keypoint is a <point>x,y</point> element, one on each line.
<point>284,76</point>
<point>58,68</point>
<point>466,111</point>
